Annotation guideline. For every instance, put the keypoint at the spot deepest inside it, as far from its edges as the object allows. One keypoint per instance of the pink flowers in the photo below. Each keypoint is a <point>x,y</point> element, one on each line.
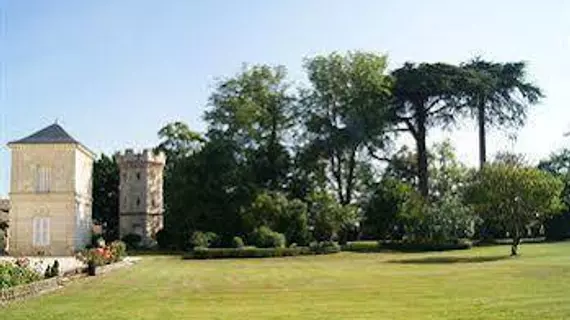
<point>23,262</point>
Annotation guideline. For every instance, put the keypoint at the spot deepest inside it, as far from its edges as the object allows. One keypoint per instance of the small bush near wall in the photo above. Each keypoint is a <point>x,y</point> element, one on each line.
<point>114,252</point>
<point>14,274</point>
<point>133,241</point>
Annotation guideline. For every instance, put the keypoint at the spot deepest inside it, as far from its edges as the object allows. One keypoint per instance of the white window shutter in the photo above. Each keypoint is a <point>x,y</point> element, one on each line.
<point>36,231</point>
<point>38,179</point>
<point>46,231</point>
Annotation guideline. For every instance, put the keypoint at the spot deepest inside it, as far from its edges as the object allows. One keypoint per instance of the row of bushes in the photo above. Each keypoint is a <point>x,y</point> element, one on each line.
<point>252,252</point>
<point>261,237</point>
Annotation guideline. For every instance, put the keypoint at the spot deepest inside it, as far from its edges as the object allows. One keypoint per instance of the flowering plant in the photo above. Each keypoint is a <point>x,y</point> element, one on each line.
<point>102,255</point>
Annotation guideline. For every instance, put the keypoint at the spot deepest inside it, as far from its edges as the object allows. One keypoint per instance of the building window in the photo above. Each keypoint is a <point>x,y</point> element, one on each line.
<point>42,179</point>
<point>40,231</point>
<point>138,175</point>
<point>138,201</point>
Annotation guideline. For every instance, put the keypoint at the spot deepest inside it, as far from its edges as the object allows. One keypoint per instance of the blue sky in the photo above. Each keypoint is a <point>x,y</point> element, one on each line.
<point>114,72</point>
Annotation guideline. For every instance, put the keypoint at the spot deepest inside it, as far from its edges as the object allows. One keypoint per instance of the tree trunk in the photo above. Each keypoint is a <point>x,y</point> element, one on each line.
<point>516,242</point>
<point>482,137</point>
<point>350,178</point>
<point>422,157</point>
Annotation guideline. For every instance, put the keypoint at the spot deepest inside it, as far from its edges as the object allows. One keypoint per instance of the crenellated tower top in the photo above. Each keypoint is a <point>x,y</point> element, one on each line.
<point>129,156</point>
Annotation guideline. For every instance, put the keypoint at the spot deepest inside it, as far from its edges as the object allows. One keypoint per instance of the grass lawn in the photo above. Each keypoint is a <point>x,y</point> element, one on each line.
<point>474,284</point>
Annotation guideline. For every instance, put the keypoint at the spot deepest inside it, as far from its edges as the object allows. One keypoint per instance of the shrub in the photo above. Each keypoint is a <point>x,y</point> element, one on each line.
<point>237,242</point>
<point>213,239</point>
<point>276,211</point>
<point>97,240</point>
<point>199,239</point>
<point>52,271</point>
<point>295,223</point>
<point>330,217</point>
<point>226,253</point>
<point>166,239</point>
<point>13,275</point>
<point>263,237</point>
<point>132,241</point>
<point>97,256</point>
<point>102,256</point>
<point>118,250</point>
<point>324,247</point>
<point>558,227</point>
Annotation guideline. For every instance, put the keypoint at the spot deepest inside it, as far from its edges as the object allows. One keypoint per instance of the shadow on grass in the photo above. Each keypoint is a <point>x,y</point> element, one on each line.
<point>448,260</point>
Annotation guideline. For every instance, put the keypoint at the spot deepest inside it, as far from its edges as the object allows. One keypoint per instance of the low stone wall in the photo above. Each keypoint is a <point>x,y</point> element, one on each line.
<point>29,290</point>
<point>48,285</point>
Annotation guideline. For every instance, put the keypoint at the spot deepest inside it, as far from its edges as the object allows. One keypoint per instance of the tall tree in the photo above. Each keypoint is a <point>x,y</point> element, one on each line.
<point>558,164</point>
<point>255,110</point>
<point>426,95</point>
<point>499,96</point>
<point>346,112</point>
<point>178,141</point>
<point>106,195</point>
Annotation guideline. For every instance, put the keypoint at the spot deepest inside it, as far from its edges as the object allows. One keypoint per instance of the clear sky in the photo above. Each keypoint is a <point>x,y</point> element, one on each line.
<point>114,72</point>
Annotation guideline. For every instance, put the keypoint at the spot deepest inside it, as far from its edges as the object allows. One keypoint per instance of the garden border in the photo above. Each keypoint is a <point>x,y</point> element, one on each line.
<point>44,286</point>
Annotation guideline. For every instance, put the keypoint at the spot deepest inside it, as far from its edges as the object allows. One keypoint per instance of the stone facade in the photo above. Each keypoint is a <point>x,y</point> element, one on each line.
<point>140,193</point>
<point>50,195</point>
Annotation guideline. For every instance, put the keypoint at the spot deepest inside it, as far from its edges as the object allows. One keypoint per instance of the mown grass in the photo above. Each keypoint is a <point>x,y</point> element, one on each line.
<point>481,283</point>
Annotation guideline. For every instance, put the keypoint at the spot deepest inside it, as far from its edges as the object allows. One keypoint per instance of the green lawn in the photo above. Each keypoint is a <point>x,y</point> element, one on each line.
<point>475,284</point>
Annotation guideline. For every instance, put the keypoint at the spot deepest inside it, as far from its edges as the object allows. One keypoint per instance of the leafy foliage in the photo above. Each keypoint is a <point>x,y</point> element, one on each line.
<point>13,275</point>
<point>324,247</point>
<point>515,197</point>
<point>199,239</point>
<point>328,217</point>
<point>427,95</point>
<point>106,196</point>
<point>52,270</point>
<point>264,237</point>
<point>383,211</point>
<point>274,210</point>
<point>237,242</point>
<point>498,95</point>
<point>132,240</point>
<point>557,227</point>
<point>345,112</point>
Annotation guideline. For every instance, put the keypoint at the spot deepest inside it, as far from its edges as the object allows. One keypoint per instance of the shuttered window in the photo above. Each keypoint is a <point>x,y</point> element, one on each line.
<point>41,231</point>
<point>43,179</point>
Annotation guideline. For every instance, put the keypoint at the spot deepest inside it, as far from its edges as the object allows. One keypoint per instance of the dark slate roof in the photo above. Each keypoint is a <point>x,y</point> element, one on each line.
<point>51,134</point>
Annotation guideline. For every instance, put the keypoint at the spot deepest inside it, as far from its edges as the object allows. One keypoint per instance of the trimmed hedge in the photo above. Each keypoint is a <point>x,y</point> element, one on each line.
<point>249,252</point>
<point>362,246</point>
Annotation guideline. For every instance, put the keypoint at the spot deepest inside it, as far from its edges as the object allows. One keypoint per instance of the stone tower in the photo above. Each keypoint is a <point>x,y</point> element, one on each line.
<point>140,193</point>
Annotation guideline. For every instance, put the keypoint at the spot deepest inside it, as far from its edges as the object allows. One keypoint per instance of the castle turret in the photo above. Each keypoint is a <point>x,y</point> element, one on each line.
<point>140,193</point>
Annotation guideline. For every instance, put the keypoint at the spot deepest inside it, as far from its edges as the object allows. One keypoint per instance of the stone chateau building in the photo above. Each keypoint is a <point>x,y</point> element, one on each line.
<point>49,209</point>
